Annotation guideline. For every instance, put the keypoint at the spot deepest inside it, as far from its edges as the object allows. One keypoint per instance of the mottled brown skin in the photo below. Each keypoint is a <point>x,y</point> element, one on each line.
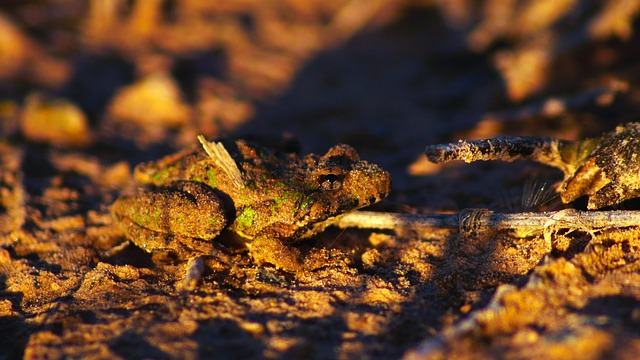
<point>610,173</point>
<point>189,200</point>
<point>605,169</point>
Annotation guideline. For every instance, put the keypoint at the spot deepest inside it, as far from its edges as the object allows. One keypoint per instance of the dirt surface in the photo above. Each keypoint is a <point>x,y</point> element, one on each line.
<point>88,90</point>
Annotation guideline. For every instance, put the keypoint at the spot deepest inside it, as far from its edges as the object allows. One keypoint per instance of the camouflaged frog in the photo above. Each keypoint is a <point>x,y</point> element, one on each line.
<point>605,169</point>
<point>266,198</point>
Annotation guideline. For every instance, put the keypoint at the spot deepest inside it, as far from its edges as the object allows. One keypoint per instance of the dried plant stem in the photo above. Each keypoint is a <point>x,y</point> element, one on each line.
<point>563,154</point>
<point>529,221</point>
<point>391,221</point>
<point>506,148</point>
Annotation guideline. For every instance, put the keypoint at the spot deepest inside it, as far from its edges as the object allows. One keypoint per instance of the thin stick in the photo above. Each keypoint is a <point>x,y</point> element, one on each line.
<point>563,154</point>
<point>530,221</point>
<point>391,221</point>
<point>506,148</point>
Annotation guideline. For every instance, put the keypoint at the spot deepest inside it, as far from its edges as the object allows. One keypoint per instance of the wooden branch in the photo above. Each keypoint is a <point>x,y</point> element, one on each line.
<point>529,221</point>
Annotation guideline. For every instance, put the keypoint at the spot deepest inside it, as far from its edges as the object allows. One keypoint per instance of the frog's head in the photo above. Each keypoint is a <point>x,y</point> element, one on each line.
<point>341,182</point>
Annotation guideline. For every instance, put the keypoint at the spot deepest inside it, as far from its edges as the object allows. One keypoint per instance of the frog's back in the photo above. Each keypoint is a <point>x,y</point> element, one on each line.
<point>264,175</point>
<point>174,167</point>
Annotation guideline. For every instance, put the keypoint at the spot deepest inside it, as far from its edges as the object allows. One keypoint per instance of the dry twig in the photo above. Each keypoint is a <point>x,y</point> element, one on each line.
<point>528,222</point>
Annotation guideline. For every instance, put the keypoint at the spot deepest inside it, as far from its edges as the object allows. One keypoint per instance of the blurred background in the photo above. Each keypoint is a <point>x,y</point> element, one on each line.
<point>136,80</point>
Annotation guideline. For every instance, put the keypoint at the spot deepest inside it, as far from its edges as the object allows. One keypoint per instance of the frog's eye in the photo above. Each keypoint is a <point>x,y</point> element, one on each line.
<point>330,182</point>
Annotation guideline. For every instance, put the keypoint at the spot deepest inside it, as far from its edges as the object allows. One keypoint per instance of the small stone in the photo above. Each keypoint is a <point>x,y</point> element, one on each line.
<point>54,121</point>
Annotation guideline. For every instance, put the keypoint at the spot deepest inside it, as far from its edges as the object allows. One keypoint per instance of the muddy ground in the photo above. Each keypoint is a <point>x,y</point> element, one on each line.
<point>88,90</point>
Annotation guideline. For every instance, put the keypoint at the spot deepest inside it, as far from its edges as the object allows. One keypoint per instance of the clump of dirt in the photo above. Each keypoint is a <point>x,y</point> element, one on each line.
<point>566,306</point>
